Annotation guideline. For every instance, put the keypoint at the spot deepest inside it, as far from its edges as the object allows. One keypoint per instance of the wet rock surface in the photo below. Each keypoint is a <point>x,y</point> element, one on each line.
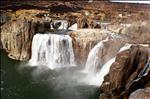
<point>129,72</point>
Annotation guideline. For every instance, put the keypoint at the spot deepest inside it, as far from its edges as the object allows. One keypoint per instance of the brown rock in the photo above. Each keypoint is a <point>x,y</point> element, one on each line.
<point>139,31</point>
<point>16,38</point>
<point>82,22</point>
<point>83,41</point>
<point>141,94</point>
<point>123,75</point>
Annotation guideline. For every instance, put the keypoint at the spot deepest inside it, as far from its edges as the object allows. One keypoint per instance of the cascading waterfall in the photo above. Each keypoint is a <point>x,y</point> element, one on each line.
<point>103,52</point>
<point>52,50</point>
<point>100,59</point>
<point>98,78</point>
<point>105,69</point>
<point>94,61</point>
<point>56,51</point>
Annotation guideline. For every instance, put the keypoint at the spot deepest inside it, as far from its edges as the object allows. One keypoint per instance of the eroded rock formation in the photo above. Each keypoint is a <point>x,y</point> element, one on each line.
<point>16,38</point>
<point>127,74</point>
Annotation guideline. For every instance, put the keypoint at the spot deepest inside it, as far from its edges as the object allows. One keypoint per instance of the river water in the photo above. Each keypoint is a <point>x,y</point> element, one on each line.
<point>19,81</point>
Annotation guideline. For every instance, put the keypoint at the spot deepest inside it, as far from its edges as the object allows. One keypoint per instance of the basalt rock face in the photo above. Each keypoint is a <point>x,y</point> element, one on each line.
<point>16,38</point>
<point>128,73</point>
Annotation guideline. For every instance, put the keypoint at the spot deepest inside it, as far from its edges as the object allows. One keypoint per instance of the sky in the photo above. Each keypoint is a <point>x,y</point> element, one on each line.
<point>133,1</point>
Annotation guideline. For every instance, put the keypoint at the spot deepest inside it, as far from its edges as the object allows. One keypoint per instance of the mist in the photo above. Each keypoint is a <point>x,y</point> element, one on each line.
<point>65,83</point>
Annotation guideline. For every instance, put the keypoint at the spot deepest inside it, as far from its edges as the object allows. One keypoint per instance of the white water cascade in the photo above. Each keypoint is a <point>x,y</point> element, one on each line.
<point>94,61</point>
<point>98,78</point>
<point>99,60</point>
<point>52,50</point>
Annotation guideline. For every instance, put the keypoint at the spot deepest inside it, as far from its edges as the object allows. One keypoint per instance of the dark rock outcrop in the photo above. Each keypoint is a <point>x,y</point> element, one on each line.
<point>85,22</point>
<point>128,73</point>
<point>4,17</point>
<point>65,7</point>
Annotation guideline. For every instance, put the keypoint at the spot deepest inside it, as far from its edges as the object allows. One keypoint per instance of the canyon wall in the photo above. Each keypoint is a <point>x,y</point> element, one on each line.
<point>16,38</point>
<point>129,72</point>
<point>83,41</point>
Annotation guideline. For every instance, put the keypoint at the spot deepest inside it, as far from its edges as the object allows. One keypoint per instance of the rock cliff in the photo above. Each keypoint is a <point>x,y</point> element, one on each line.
<point>16,38</point>
<point>129,72</point>
<point>85,39</point>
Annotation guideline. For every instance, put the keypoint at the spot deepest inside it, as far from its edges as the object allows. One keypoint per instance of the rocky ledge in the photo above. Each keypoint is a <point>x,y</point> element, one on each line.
<point>21,20</point>
<point>129,72</point>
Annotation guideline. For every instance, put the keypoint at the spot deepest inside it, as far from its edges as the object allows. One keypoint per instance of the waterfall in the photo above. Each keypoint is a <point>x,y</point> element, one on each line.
<point>94,60</point>
<point>100,59</point>
<point>98,78</point>
<point>105,69</point>
<point>52,50</point>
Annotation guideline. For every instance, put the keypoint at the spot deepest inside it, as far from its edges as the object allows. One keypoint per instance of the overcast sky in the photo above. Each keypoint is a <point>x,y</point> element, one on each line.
<point>133,1</point>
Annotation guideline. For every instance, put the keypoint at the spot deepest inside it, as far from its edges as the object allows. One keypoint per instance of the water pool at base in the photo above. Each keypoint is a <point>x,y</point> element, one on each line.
<point>26,82</point>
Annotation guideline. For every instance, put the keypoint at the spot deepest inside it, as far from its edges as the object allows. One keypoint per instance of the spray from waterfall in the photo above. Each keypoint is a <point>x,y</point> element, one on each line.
<point>52,50</point>
<point>100,59</point>
<point>56,51</point>
<point>98,77</point>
